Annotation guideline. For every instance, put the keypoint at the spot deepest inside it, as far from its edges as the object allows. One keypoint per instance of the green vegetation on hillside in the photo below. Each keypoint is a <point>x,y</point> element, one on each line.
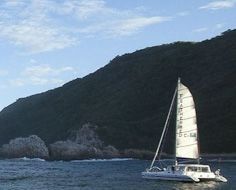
<point>129,98</point>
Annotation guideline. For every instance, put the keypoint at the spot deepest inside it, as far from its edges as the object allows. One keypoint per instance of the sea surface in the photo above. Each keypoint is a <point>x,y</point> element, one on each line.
<point>115,174</point>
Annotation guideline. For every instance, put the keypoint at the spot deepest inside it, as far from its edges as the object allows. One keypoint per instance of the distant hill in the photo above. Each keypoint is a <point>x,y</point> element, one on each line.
<point>129,98</point>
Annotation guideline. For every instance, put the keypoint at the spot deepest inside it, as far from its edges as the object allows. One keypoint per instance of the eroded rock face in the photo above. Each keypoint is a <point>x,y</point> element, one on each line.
<point>68,150</point>
<point>87,136</point>
<point>110,152</point>
<point>32,147</point>
<point>82,144</point>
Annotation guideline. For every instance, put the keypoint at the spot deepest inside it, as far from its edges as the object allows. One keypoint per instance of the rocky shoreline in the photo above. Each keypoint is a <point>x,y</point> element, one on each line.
<point>82,144</point>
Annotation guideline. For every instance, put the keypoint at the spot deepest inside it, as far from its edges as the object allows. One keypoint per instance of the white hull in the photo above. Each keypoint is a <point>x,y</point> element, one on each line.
<point>180,177</point>
<point>169,177</point>
<point>184,173</point>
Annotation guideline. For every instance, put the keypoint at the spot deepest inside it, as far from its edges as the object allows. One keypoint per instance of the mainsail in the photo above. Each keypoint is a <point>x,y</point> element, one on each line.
<point>186,125</point>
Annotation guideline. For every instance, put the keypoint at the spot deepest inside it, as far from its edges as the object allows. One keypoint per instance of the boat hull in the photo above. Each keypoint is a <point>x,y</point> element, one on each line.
<point>168,176</point>
<point>180,177</point>
<point>183,175</point>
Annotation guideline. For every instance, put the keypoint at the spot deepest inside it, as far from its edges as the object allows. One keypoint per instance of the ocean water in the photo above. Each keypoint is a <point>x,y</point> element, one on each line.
<point>116,174</point>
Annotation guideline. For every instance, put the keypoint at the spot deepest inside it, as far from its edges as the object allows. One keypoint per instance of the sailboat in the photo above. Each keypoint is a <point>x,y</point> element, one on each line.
<point>186,145</point>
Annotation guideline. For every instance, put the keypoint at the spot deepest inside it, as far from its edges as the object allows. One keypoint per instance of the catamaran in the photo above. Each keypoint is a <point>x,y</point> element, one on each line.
<point>186,145</point>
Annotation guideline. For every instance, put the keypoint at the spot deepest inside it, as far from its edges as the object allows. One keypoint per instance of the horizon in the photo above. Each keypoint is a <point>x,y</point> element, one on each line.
<point>45,44</point>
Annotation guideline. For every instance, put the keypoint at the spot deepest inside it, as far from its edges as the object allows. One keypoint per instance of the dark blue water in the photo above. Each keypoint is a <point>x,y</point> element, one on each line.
<point>97,175</point>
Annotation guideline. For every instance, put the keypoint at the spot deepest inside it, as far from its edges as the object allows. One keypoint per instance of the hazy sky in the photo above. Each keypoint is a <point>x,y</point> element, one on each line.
<point>46,43</point>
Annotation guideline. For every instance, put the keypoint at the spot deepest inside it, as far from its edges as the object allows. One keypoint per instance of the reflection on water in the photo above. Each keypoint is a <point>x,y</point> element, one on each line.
<point>171,185</point>
<point>198,186</point>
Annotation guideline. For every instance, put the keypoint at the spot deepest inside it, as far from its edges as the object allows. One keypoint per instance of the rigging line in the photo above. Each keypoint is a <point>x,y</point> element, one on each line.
<point>164,139</point>
<point>163,132</point>
<point>162,144</point>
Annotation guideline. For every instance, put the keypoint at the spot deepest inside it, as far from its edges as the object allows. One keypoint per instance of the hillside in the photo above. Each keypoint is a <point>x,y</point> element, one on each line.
<point>129,98</point>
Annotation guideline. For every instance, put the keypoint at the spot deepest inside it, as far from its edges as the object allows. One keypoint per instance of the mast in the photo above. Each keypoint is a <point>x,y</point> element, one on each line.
<point>164,130</point>
<point>178,83</point>
<point>198,145</point>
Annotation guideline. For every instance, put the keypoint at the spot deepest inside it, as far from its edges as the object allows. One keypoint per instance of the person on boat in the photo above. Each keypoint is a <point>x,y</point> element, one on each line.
<point>173,169</point>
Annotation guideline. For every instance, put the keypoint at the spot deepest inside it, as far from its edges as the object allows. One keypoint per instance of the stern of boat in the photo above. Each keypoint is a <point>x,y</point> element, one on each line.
<point>219,177</point>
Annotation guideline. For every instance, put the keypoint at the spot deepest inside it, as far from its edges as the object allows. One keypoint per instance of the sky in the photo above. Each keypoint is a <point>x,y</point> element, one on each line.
<point>47,43</point>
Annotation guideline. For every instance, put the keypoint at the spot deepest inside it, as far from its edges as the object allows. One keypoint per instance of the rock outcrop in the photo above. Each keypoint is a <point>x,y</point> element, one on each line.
<point>31,147</point>
<point>68,150</point>
<point>110,152</point>
<point>87,136</point>
<point>82,144</point>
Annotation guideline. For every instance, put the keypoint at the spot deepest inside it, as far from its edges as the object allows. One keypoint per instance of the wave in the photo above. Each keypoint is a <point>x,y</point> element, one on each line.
<point>10,178</point>
<point>103,160</point>
<point>32,159</point>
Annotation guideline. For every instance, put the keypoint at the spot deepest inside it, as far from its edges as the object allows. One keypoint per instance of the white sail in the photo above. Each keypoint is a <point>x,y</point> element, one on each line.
<point>186,125</point>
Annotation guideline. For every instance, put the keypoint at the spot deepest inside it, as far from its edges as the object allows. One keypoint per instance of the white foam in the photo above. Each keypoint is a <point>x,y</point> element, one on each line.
<point>103,160</point>
<point>32,159</point>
